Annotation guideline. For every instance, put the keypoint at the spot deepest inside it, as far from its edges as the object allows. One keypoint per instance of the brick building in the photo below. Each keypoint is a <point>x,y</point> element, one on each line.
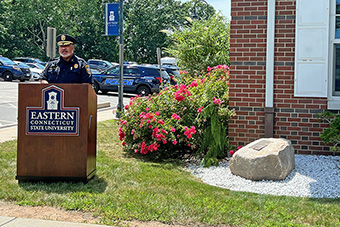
<point>284,70</point>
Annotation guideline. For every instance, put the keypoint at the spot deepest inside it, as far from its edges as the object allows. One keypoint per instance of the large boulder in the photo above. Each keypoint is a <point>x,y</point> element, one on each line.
<point>264,159</point>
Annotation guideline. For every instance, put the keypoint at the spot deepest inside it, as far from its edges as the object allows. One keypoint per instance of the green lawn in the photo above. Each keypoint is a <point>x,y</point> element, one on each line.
<point>126,188</point>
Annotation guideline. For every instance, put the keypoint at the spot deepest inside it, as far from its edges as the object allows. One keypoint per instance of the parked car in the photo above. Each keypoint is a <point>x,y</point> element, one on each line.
<point>173,72</point>
<point>10,71</point>
<point>36,70</point>
<point>23,65</point>
<point>29,60</point>
<point>138,79</point>
<point>100,65</point>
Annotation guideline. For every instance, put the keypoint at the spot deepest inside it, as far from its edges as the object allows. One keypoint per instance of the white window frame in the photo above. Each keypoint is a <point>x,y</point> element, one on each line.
<point>333,97</point>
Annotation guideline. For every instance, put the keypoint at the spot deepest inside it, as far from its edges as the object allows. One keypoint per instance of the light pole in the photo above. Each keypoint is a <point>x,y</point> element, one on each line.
<point>195,16</point>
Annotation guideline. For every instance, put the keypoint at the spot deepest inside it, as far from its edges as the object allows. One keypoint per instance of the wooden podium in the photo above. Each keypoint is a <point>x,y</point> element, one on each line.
<point>57,132</point>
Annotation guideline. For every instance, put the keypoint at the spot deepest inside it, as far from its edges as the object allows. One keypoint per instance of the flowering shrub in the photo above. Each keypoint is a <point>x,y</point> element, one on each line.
<point>186,118</point>
<point>232,152</point>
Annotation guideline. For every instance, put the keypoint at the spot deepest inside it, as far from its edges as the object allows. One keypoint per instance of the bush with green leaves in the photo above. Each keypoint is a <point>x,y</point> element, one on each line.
<point>200,44</point>
<point>331,135</point>
<point>183,119</point>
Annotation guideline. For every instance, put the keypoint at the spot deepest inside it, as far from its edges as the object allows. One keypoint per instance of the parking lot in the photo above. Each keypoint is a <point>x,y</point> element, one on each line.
<point>9,102</point>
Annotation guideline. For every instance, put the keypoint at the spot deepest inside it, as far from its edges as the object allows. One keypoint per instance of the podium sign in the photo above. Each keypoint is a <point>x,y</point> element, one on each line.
<point>52,118</point>
<point>57,132</point>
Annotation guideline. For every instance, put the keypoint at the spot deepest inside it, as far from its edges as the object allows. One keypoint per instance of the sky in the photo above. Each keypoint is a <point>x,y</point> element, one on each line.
<point>219,5</point>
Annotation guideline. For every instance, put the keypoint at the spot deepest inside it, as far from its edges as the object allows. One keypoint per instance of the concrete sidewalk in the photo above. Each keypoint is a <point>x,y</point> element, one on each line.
<point>10,133</point>
<point>27,222</point>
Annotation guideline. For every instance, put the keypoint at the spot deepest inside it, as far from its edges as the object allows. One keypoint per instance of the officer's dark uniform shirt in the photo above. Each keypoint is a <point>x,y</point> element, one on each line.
<point>75,70</point>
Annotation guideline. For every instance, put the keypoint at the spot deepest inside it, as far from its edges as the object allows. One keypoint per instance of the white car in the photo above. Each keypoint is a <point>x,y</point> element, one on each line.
<point>36,70</point>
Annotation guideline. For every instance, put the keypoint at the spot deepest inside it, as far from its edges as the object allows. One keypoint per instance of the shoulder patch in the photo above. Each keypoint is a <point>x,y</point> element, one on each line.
<point>88,69</point>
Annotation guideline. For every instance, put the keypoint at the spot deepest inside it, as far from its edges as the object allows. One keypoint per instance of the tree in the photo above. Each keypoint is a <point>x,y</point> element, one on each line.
<point>23,26</point>
<point>201,44</point>
<point>144,21</point>
<point>3,29</point>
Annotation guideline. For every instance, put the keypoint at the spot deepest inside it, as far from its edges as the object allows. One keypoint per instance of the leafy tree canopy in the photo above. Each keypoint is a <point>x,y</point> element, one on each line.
<point>23,26</point>
<point>201,44</point>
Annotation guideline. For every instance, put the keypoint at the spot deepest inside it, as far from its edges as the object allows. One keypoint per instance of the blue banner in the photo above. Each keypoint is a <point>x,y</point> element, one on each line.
<point>111,19</point>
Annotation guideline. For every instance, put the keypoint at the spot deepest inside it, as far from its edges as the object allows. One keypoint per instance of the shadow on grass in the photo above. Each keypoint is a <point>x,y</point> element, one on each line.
<point>95,185</point>
<point>165,163</point>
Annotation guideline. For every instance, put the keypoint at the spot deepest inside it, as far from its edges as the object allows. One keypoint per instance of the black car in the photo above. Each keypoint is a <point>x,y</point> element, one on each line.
<point>138,79</point>
<point>100,65</point>
<point>10,71</point>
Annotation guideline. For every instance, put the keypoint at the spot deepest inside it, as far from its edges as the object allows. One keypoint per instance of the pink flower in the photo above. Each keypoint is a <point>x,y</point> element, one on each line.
<point>193,84</point>
<point>189,132</point>
<point>174,142</point>
<point>172,129</point>
<point>200,109</point>
<point>239,147</point>
<point>164,141</point>
<point>147,108</point>
<point>175,116</point>
<point>132,131</point>
<point>231,152</point>
<point>161,122</point>
<point>217,101</point>
<point>209,68</point>
<point>157,113</point>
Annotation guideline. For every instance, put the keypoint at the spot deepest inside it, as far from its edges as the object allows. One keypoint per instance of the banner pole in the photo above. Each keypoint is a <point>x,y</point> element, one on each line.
<point>120,107</point>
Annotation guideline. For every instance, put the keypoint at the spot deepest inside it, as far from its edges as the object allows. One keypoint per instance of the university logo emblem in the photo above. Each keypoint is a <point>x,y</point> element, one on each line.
<point>52,118</point>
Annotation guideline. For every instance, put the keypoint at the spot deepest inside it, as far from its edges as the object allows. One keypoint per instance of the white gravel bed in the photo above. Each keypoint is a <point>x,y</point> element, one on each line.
<point>313,176</point>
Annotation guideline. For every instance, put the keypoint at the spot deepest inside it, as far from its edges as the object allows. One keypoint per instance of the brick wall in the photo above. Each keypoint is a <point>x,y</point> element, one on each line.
<point>294,117</point>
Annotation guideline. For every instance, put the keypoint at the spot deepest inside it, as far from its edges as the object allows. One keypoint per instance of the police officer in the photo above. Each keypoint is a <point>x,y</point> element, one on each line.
<point>68,68</point>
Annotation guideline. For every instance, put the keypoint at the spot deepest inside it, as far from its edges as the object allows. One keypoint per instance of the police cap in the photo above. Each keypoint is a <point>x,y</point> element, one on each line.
<point>65,40</point>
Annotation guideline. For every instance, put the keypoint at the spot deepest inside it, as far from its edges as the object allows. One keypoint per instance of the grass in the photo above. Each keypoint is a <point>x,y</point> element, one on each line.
<point>126,188</point>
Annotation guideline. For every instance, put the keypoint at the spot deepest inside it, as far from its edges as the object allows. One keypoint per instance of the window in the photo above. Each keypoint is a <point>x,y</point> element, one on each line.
<point>152,72</point>
<point>336,49</point>
<point>114,71</point>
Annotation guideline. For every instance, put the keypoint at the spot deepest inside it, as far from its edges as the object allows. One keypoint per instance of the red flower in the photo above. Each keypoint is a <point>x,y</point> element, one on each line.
<point>121,134</point>
<point>175,116</point>
<point>231,152</point>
